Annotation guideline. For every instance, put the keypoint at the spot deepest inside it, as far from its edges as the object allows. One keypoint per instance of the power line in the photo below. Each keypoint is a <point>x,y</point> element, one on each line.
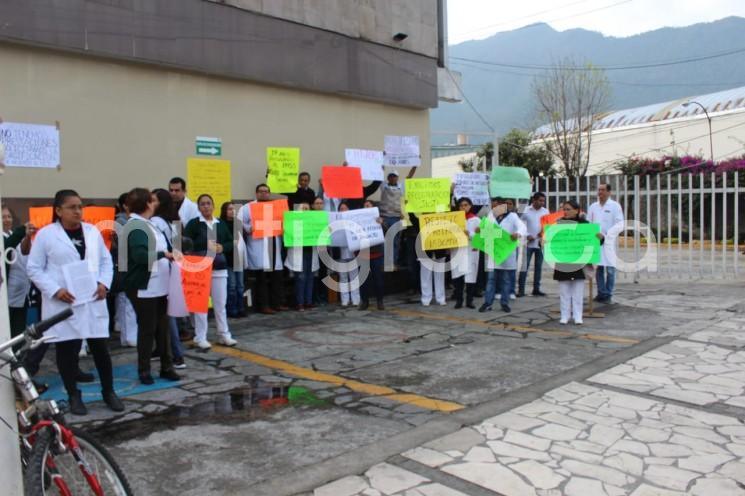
<point>468,101</point>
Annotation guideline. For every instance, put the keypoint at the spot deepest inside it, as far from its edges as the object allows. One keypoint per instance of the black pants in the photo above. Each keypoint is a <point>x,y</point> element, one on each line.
<point>68,366</point>
<point>269,290</point>
<point>33,358</point>
<point>470,290</point>
<point>374,284</point>
<point>152,326</point>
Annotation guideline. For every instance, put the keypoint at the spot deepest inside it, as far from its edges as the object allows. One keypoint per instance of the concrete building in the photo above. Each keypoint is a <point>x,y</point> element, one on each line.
<point>132,83</point>
<point>676,127</point>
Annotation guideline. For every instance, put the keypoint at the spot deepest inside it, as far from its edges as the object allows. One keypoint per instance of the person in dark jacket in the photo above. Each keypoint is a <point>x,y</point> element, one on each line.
<point>236,305</point>
<point>213,238</point>
<point>304,193</point>
<point>571,277</point>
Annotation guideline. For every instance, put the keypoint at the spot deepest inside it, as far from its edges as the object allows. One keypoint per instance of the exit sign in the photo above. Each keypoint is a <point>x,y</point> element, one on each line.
<point>209,146</point>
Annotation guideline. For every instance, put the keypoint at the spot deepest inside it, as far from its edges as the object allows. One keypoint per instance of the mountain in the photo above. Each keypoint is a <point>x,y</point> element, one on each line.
<point>503,94</point>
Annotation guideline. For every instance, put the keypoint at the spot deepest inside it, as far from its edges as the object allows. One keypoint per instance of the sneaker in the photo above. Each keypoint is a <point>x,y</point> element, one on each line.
<point>113,401</point>
<point>203,345</point>
<point>578,322</point>
<point>225,341</point>
<point>178,363</point>
<point>170,375</point>
<point>539,293</point>
<point>485,308</point>
<point>563,322</point>
<point>155,355</point>
<point>84,377</point>
<point>425,304</point>
<point>506,308</point>
<point>513,297</point>
<point>77,407</point>
<point>442,303</point>
<point>146,379</point>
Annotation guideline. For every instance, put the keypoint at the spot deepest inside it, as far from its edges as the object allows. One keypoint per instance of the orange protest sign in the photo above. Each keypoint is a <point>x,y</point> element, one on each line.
<point>196,280</point>
<point>266,218</point>
<point>40,216</point>
<point>550,219</point>
<point>103,219</point>
<point>342,182</point>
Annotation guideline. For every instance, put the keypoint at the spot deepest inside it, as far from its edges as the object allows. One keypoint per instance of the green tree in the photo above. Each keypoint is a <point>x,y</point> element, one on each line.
<point>515,149</point>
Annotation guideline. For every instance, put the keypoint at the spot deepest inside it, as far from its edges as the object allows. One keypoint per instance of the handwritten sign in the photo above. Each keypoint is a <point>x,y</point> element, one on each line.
<point>283,167</point>
<point>103,219</point>
<point>550,219</point>
<point>40,216</point>
<point>510,182</point>
<point>474,186</point>
<point>494,241</point>
<point>572,243</point>
<point>402,151</point>
<point>196,280</point>
<point>210,176</point>
<point>306,228</point>
<point>30,145</point>
<point>341,182</point>
<point>356,229</point>
<point>266,218</point>
<point>441,231</point>
<point>427,195</point>
<point>370,162</point>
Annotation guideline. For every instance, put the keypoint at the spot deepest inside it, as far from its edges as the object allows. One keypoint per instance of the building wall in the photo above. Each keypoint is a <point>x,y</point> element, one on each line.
<point>125,125</point>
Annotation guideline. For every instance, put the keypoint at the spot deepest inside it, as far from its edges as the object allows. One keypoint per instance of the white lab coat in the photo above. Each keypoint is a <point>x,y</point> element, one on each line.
<point>294,260</point>
<point>18,282</point>
<point>611,220</point>
<point>53,249</point>
<point>257,250</point>
<point>512,224</point>
<point>532,220</point>
<point>187,212</point>
<point>470,266</point>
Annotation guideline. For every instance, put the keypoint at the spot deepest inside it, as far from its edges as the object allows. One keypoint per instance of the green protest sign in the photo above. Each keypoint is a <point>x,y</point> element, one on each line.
<point>427,195</point>
<point>494,241</point>
<point>510,182</point>
<point>283,165</point>
<point>306,228</point>
<point>572,243</point>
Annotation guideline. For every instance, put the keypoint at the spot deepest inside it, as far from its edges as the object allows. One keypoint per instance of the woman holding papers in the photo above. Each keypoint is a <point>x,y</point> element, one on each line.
<point>213,239</point>
<point>71,266</point>
<point>571,277</point>
<point>465,270</point>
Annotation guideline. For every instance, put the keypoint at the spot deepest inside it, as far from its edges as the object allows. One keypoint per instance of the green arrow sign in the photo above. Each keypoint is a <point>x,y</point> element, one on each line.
<point>209,146</point>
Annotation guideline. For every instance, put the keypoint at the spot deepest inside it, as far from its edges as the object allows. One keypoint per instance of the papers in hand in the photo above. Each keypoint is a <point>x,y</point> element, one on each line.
<point>80,281</point>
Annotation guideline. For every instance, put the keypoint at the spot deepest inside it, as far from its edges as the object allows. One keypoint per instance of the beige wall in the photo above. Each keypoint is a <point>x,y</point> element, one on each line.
<point>125,125</point>
<point>373,20</point>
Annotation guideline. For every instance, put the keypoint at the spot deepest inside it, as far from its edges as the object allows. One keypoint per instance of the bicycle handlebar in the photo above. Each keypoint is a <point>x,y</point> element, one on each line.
<point>41,327</point>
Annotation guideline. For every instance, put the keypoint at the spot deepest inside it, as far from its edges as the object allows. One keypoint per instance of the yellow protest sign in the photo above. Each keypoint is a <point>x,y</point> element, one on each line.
<point>441,231</point>
<point>427,195</point>
<point>210,176</point>
<point>283,167</point>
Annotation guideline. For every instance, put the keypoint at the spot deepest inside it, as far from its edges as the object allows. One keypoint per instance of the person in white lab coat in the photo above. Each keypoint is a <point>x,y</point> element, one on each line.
<point>465,272</point>
<point>68,241</point>
<point>609,214</point>
<point>187,209</point>
<point>502,277</point>
<point>349,287</point>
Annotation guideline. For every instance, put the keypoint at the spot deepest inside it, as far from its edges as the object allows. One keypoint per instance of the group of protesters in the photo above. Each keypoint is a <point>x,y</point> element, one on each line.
<point>159,226</point>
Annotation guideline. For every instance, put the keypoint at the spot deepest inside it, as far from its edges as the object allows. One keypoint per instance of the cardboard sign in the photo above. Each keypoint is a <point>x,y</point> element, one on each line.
<point>510,182</point>
<point>494,241</point>
<point>550,219</point>
<point>402,151</point>
<point>341,182</point>
<point>266,218</point>
<point>441,231</point>
<point>474,186</point>
<point>283,167</point>
<point>427,195</point>
<point>572,243</point>
<point>359,229</point>
<point>370,162</point>
<point>210,176</point>
<point>30,145</point>
<point>196,280</point>
<point>40,216</point>
<point>306,228</point>
<point>103,219</point>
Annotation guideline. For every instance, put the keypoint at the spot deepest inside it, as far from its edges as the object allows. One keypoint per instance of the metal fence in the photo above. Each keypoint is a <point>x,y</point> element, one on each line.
<point>689,226</point>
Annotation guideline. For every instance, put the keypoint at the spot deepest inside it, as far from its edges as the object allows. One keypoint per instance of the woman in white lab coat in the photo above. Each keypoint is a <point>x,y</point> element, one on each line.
<point>61,254</point>
<point>465,260</point>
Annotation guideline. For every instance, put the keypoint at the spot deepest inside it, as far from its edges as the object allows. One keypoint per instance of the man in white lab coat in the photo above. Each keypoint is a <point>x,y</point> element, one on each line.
<point>187,209</point>
<point>609,214</point>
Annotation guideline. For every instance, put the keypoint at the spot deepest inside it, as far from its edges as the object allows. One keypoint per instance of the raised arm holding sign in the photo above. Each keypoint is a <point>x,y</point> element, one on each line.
<point>510,182</point>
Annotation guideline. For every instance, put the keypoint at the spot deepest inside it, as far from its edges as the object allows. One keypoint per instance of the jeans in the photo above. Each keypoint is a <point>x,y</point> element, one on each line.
<point>177,348</point>
<point>606,279</point>
<point>236,303</point>
<point>537,267</point>
<point>501,280</point>
<point>390,222</point>
<point>304,281</point>
<point>374,283</point>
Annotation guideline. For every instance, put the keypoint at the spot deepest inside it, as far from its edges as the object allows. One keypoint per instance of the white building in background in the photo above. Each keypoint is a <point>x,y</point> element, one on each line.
<point>671,128</point>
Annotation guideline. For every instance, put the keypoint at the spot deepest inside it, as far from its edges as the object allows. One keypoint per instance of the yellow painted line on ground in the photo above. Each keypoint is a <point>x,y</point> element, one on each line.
<point>357,386</point>
<point>515,328</point>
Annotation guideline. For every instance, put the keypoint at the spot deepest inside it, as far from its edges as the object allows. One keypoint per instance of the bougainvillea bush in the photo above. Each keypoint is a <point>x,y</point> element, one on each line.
<point>687,164</point>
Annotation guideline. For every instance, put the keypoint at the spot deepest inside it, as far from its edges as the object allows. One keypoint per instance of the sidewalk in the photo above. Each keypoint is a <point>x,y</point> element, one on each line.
<point>668,422</point>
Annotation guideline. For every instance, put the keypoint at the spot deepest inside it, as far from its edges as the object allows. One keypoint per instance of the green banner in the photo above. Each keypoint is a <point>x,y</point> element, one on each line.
<point>306,228</point>
<point>427,195</point>
<point>494,241</point>
<point>510,182</point>
<point>572,243</point>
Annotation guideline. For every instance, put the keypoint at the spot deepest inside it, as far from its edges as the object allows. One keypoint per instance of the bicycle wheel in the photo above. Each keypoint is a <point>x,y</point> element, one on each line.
<point>52,473</point>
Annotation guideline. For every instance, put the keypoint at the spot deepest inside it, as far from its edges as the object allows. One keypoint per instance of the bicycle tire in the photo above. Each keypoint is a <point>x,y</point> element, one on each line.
<point>37,481</point>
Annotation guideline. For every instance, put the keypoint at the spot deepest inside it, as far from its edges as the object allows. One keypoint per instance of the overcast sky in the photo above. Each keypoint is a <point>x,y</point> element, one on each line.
<point>477,19</point>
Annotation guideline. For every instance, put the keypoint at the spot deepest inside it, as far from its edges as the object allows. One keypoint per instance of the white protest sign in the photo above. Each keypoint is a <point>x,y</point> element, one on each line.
<point>369,161</point>
<point>359,225</point>
<point>402,151</point>
<point>473,185</point>
<point>30,145</point>
<point>338,235</point>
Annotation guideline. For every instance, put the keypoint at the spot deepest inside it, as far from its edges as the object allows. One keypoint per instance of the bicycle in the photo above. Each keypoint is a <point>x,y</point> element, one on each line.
<point>56,459</point>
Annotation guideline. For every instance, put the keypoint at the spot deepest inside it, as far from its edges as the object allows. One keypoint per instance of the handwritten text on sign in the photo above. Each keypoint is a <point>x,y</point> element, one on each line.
<point>356,229</point>
<point>210,176</point>
<point>427,195</point>
<point>402,151</point>
<point>572,243</point>
<point>283,166</point>
<point>369,161</point>
<point>441,231</point>
<point>474,186</point>
<point>30,145</point>
<point>494,241</point>
<point>196,283</point>
<point>306,228</point>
